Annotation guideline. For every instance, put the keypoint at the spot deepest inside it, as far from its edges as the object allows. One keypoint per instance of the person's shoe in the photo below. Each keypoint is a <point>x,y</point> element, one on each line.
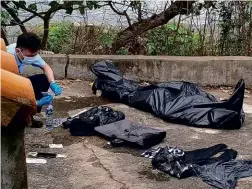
<point>36,123</point>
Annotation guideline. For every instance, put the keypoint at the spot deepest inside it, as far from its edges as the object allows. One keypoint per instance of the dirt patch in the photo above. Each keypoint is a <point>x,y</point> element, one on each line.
<point>154,175</point>
<point>63,136</point>
<point>71,103</point>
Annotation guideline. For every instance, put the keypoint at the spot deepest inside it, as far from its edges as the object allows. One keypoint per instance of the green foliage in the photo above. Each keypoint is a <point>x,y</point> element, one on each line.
<point>106,40</point>
<point>235,35</point>
<point>122,51</point>
<point>60,36</point>
<point>5,17</point>
<point>33,7</point>
<point>168,40</point>
<point>106,36</point>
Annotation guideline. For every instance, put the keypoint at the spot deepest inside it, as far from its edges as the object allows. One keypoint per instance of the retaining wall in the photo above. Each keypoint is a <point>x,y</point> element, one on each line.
<point>213,71</point>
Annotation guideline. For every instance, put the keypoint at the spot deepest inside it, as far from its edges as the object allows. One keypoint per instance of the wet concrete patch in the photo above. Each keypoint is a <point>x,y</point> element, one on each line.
<point>96,164</point>
<point>154,175</point>
<point>125,150</point>
<point>77,103</point>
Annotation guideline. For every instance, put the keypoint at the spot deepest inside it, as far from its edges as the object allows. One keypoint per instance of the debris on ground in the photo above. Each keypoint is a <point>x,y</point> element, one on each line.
<point>65,83</point>
<point>36,161</point>
<point>68,100</point>
<point>46,155</point>
<point>85,123</point>
<point>221,171</point>
<point>98,93</point>
<point>145,84</point>
<point>132,134</point>
<point>247,91</point>
<point>225,91</point>
<point>55,146</point>
<point>91,84</point>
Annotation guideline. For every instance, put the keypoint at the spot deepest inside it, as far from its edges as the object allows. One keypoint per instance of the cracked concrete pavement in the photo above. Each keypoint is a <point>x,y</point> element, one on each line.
<point>91,163</point>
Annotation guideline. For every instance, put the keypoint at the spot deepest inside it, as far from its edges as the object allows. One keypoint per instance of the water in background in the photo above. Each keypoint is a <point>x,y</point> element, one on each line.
<point>103,16</point>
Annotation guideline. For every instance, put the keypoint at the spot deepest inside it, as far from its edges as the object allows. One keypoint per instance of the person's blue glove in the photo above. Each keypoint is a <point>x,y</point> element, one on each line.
<point>55,88</point>
<point>45,100</point>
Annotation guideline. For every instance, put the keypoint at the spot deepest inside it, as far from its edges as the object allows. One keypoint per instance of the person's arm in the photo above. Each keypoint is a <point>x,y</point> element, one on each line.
<point>49,73</point>
<point>39,62</point>
<point>50,76</point>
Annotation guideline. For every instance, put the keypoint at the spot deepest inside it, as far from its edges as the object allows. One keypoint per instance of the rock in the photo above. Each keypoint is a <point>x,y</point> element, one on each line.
<point>224,91</point>
<point>247,91</point>
<point>68,100</point>
<point>98,93</point>
<point>145,84</point>
<point>247,108</point>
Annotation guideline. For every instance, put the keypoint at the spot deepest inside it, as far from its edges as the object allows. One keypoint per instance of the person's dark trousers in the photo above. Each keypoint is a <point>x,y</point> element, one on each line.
<point>40,84</point>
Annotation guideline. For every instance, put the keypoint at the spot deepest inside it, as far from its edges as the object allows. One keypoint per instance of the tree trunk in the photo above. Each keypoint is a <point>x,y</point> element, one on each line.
<point>14,16</point>
<point>3,35</point>
<point>249,49</point>
<point>138,28</point>
<point>46,33</point>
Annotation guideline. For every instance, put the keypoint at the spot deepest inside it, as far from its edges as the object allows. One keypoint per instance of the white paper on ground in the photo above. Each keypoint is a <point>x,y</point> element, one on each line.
<point>36,161</point>
<point>55,146</point>
<point>247,108</point>
<point>61,156</point>
<point>34,154</point>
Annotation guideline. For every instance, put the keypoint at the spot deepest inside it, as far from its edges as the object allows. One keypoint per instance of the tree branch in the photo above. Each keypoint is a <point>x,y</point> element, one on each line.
<point>128,19</point>
<point>20,23</point>
<point>140,12</point>
<point>3,35</point>
<point>124,13</point>
<point>128,35</point>
<point>28,10</point>
<point>13,15</point>
<point>114,9</point>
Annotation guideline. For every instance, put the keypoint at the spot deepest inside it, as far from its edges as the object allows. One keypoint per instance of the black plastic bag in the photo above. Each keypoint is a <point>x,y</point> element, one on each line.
<point>180,164</point>
<point>178,102</point>
<point>171,160</point>
<point>86,122</point>
<point>224,175</point>
<point>215,165</point>
<point>132,133</point>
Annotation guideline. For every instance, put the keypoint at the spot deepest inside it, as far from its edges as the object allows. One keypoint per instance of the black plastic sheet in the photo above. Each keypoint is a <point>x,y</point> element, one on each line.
<point>179,163</point>
<point>132,134</point>
<point>86,122</point>
<point>224,175</point>
<point>178,102</point>
<point>215,165</point>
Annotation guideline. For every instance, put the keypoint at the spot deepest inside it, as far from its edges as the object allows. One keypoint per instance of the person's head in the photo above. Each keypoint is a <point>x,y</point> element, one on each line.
<point>28,45</point>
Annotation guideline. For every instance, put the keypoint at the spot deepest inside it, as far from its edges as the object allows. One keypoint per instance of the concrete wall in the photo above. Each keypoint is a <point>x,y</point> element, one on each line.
<point>202,70</point>
<point>57,62</point>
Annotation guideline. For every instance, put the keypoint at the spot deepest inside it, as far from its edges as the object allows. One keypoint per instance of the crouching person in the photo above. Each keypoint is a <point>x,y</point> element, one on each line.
<point>26,53</point>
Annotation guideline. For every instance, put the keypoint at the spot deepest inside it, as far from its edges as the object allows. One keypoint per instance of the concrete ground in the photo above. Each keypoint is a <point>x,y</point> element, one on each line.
<point>92,164</point>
